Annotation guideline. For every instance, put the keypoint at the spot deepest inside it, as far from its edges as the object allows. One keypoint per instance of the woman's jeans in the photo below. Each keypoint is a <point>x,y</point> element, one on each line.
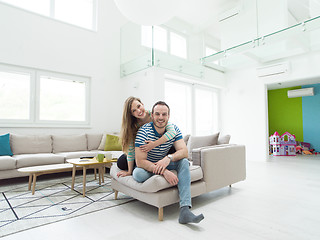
<point>182,168</point>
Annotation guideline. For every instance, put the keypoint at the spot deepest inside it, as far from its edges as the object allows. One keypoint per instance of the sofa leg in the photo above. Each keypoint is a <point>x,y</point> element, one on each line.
<point>160,214</point>
<point>115,194</point>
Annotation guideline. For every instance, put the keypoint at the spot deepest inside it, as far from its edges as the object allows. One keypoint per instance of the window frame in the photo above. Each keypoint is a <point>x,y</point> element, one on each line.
<point>52,16</point>
<point>34,108</point>
<point>197,85</point>
<point>168,47</point>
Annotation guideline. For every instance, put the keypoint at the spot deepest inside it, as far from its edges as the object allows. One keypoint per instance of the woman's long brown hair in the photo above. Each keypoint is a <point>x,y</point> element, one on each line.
<point>129,126</point>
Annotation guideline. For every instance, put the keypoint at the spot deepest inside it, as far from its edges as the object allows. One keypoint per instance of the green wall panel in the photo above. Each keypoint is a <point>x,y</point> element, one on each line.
<point>285,114</point>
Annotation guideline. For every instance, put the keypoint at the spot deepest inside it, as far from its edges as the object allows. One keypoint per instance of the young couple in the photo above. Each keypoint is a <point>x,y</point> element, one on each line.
<point>147,138</point>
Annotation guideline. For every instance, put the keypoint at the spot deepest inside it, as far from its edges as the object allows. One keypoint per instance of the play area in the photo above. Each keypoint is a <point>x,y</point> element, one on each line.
<point>286,145</point>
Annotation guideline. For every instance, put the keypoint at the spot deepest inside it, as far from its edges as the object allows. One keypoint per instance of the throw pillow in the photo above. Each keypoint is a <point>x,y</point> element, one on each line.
<point>201,141</point>
<point>5,149</point>
<point>112,143</point>
<point>224,139</point>
<point>186,138</point>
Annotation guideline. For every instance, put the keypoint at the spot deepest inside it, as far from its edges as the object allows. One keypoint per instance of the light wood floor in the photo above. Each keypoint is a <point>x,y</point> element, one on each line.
<point>279,200</point>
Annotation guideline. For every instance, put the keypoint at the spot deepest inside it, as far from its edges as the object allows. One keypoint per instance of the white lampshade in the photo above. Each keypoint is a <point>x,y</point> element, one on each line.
<point>148,12</point>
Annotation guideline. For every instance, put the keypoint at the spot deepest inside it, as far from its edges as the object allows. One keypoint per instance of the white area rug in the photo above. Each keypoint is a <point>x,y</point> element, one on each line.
<point>53,201</point>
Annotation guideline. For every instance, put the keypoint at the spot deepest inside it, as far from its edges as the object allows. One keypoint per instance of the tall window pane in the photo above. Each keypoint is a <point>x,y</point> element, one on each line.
<point>146,36</point>
<point>160,38</point>
<point>14,95</point>
<point>206,112</point>
<point>194,108</point>
<point>38,6</point>
<point>178,45</point>
<point>62,99</point>
<point>178,97</point>
<point>78,12</point>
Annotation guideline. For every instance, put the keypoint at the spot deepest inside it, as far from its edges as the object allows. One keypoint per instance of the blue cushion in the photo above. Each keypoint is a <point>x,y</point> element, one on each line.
<point>5,149</point>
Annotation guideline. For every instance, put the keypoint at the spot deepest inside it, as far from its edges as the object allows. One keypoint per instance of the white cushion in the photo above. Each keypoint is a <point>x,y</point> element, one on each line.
<point>201,141</point>
<point>224,139</point>
<point>21,144</point>
<point>154,183</point>
<point>28,160</point>
<point>94,141</point>
<point>69,143</point>
<point>7,162</point>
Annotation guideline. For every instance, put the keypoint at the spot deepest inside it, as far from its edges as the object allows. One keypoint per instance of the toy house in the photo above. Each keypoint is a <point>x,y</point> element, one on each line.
<point>284,145</point>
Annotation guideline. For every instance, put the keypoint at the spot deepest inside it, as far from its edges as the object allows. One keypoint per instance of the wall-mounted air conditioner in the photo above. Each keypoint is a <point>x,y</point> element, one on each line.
<point>300,92</point>
<point>273,70</point>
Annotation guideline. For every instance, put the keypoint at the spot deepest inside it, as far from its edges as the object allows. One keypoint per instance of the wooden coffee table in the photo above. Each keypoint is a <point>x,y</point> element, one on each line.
<point>86,163</point>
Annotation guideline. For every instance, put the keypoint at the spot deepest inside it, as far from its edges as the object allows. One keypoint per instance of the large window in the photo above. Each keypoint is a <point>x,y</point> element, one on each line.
<point>30,96</point>
<point>77,12</point>
<point>15,95</point>
<point>164,40</point>
<point>178,97</point>
<point>194,108</point>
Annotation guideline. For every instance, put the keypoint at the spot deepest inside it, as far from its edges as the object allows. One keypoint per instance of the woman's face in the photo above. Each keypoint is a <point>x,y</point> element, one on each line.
<point>137,109</point>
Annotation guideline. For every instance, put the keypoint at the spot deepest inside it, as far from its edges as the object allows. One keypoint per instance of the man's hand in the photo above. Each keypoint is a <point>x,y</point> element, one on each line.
<point>161,165</point>
<point>170,177</point>
<point>148,146</point>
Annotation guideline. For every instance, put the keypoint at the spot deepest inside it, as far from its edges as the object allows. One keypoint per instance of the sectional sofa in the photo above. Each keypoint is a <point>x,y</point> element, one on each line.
<point>29,150</point>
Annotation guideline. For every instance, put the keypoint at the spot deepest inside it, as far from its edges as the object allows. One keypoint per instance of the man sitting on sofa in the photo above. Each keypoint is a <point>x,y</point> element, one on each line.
<point>157,161</point>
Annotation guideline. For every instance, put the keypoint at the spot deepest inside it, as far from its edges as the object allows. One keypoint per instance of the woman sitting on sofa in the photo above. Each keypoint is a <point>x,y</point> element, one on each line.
<point>133,117</point>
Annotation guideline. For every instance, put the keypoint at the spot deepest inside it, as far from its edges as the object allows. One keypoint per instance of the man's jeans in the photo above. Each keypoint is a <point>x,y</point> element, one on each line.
<point>182,168</point>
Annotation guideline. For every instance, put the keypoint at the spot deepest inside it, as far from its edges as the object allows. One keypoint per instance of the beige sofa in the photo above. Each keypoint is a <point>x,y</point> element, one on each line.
<point>211,168</point>
<point>30,150</point>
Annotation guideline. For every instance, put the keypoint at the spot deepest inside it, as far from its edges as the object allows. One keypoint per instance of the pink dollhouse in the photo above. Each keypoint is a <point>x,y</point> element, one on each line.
<point>284,145</point>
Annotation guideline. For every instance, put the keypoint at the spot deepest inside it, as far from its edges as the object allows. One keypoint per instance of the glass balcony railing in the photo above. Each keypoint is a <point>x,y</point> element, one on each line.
<point>294,40</point>
<point>135,56</point>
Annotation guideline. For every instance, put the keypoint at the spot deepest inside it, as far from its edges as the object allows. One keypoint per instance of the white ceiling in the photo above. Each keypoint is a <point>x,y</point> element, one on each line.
<point>203,14</point>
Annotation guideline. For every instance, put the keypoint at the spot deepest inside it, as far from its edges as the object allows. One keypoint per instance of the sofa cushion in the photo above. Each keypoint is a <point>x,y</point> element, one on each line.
<point>201,141</point>
<point>28,160</point>
<point>112,143</point>
<point>5,149</point>
<point>69,143</point>
<point>103,140</point>
<point>155,183</point>
<point>7,163</point>
<point>24,144</point>
<point>225,139</point>
<point>186,139</point>
<point>93,141</point>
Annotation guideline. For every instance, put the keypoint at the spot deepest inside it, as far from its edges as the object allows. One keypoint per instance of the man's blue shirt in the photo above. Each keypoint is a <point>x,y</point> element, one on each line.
<point>148,132</point>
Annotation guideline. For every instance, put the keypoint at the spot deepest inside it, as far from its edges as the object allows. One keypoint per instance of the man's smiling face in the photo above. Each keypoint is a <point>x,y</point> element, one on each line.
<point>160,116</point>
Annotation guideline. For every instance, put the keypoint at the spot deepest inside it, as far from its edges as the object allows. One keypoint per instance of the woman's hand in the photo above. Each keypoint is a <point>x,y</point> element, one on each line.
<point>123,173</point>
<point>148,146</point>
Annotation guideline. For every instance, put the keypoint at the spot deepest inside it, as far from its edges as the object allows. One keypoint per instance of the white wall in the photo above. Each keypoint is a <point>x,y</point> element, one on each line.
<point>244,113</point>
<point>34,41</point>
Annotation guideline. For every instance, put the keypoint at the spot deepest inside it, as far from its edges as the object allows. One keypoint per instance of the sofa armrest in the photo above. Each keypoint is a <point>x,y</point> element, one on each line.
<point>222,165</point>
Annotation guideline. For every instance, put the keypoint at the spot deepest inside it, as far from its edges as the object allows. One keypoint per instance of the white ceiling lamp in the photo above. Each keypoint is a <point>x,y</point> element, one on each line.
<point>303,92</point>
<point>148,12</point>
